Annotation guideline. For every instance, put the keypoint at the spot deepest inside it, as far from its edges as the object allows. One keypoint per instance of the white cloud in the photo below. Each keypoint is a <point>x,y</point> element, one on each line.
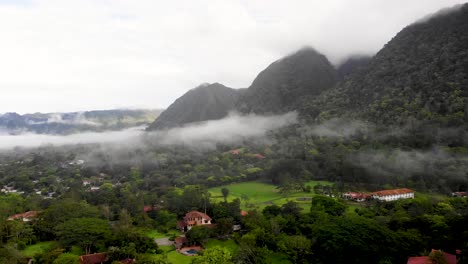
<point>63,55</point>
<point>231,129</point>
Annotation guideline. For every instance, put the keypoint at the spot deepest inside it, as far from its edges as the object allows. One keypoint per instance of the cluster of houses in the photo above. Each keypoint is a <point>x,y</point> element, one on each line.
<point>384,195</point>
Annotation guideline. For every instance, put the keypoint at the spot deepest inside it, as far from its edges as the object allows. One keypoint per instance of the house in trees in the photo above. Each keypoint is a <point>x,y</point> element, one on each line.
<point>25,217</point>
<point>356,196</point>
<point>97,258</point>
<point>193,218</point>
<point>393,195</point>
<point>449,258</point>
<point>460,194</point>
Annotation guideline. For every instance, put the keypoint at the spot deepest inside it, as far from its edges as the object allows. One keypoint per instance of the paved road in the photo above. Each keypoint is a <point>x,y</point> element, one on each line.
<point>164,241</point>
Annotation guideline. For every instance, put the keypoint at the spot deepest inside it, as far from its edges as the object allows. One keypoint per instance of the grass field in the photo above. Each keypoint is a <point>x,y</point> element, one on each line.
<point>40,247</point>
<point>259,195</point>
<point>228,244</point>
<point>153,233</point>
<point>175,257</point>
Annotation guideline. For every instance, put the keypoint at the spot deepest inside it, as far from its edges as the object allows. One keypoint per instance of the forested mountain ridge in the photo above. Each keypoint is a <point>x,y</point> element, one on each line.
<point>205,102</point>
<point>74,122</point>
<point>278,88</point>
<point>421,74</point>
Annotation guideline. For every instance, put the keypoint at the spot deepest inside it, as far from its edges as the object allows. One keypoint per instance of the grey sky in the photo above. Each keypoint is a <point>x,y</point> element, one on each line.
<point>61,55</point>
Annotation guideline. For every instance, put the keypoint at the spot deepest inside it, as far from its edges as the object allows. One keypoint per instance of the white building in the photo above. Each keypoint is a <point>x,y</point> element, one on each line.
<point>392,195</point>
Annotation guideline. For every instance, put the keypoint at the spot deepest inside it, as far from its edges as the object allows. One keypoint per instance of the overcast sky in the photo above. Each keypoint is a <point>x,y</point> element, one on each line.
<point>60,55</point>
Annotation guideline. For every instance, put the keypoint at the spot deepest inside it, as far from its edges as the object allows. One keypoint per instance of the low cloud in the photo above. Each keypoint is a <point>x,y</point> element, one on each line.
<point>338,127</point>
<point>232,129</point>
<point>31,140</point>
<point>78,119</point>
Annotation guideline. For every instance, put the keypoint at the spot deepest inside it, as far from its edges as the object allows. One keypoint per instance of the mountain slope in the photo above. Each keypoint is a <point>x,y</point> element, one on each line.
<point>205,102</point>
<point>422,73</point>
<point>281,85</point>
<point>352,65</point>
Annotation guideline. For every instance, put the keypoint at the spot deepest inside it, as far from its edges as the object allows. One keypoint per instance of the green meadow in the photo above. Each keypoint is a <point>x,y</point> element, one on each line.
<point>259,195</point>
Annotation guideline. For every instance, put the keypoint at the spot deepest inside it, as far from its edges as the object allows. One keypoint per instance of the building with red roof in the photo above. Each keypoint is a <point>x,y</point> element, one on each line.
<point>235,151</point>
<point>356,196</point>
<point>392,195</point>
<point>98,258</point>
<point>25,217</point>
<point>259,156</point>
<point>193,218</point>
<point>449,258</point>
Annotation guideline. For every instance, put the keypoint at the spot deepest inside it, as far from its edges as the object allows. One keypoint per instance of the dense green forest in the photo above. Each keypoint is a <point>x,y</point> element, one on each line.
<point>396,120</point>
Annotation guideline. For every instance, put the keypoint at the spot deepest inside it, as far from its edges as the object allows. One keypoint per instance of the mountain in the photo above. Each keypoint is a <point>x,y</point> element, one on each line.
<point>205,102</point>
<point>352,65</point>
<point>74,122</point>
<point>281,85</point>
<point>421,74</point>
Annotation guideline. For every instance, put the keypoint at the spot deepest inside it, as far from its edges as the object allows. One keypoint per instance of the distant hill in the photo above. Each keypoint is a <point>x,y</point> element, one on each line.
<point>74,122</point>
<point>205,102</point>
<point>281,85</point>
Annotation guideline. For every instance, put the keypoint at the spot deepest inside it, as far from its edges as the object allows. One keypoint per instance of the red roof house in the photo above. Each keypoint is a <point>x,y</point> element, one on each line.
<point>449,258</point>
<point>235,152</point>
<point>392,195</point>
<point>356,196</point>
<point>193,218</point>
<point>98,258</point>
<point>25,217</point>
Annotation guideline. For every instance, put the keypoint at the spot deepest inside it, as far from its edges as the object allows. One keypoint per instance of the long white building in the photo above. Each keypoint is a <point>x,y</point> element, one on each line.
<point>392,195</point>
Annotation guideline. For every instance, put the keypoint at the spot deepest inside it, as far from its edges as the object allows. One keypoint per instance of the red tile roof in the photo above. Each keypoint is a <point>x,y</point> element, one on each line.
<point>244,213</point>
<point>28,214</point>
<point>181,224</point>
<point>259,156</point>
<point>180,240</point>
<point>449,258</point>
<point>195,214</point>
<point>97,258</point>
<point>419,260</point>
<point>356,195</point>
<point>235,152</point>
<point>148,208</point>
<point>393,192</point>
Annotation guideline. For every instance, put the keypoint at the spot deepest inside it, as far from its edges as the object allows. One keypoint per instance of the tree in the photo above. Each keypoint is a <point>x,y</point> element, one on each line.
<point>298,248</point>
<point>67,258</point>
<point>85,232</point>
<point>328,205</point>
<point>198,234</point>
<point>61,211</point>
<point>225,192</point>
<point>437,257</point>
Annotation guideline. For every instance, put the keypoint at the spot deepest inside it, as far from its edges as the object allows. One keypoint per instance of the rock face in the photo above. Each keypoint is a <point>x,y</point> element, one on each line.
<point>422,73</point>
<point>205,102</point>
<point>279,87</point>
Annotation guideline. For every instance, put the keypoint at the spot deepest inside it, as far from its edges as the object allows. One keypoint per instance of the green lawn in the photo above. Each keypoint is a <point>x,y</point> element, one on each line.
<point>260,194</point>
<point>175,257</point>
<point>40,247</point>
<point>228,244</point>
<point>153,233</point>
